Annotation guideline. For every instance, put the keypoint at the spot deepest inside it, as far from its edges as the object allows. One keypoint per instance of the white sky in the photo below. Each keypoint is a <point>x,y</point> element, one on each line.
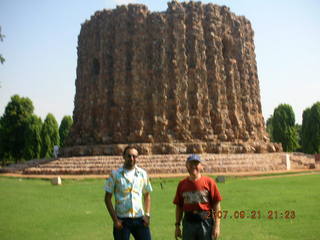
<point>40,48</point>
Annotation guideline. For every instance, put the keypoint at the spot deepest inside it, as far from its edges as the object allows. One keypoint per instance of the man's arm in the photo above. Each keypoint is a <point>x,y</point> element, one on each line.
<point>107,199</point>
<point>216,227</point>
<point>147,208</point>
<point>147,202</point>
<point>179,214</point>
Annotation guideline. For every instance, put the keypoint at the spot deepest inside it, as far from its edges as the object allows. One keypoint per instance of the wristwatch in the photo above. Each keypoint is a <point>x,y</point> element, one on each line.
<point>147,214</point>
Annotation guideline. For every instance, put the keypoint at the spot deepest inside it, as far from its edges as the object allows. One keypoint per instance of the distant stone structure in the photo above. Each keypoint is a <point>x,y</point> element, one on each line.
<point>180,81</point>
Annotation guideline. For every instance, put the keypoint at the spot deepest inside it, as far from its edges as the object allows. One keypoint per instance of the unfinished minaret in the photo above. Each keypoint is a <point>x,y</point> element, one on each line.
<point>180,81</point>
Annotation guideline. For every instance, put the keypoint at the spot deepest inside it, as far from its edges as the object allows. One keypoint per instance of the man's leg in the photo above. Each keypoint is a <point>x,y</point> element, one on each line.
<point>206,229</point>
<point>190,230</point>
<point>124,233</point>
<point>140,231</point>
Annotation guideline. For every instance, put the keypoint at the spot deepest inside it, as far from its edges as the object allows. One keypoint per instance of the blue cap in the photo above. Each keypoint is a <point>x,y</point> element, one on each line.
<point>194,157</point>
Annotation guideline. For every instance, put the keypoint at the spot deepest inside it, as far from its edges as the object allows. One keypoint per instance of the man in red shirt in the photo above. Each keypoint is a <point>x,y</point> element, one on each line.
<point>197,199</point>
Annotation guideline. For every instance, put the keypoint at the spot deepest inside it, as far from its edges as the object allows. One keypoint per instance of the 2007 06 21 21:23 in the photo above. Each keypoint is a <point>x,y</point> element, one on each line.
<point>256,214</point>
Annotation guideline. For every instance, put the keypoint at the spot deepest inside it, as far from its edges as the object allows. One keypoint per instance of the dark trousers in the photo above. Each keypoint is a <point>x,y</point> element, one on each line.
<point>135,226</point>
<point>200,230</point>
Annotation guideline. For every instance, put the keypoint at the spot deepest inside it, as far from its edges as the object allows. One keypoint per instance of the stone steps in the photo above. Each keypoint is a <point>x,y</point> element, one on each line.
<point>156,164</point>
<point>167,164</point>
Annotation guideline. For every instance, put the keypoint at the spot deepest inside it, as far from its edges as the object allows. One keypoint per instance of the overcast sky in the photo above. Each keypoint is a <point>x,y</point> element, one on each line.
<point>40,48</point>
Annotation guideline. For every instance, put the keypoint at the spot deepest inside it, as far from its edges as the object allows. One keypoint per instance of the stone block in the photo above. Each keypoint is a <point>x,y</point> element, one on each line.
<point>56,181</point>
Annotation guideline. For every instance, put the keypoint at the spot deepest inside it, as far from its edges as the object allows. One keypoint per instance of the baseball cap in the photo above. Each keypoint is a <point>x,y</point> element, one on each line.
<point>194,157</point>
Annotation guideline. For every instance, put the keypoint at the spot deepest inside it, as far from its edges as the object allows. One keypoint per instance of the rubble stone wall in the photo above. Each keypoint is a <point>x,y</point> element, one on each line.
<point>184,80</point>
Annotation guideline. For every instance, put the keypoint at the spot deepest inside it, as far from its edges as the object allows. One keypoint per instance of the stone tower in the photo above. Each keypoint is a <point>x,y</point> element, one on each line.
<point>180,81</point>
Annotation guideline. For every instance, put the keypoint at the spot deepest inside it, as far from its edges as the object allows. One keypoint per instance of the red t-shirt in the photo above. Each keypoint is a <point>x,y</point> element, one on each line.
<point>197,195</point>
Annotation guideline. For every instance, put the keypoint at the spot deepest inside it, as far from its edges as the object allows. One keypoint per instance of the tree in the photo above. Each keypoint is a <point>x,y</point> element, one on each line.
<point>310,131</point>
<point>269,127</point>
<point>1,146</point>
<point>283,127</point>
<point>305,131</point>
<point>64,128</point>
<point>32,147</point>
<point>14,123</point>
<point>49,136</point>
<point>298,128</point>
<point>1,39</point>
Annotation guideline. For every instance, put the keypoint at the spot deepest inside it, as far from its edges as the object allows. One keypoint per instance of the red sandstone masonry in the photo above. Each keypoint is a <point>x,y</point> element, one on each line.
<point>174,82</point>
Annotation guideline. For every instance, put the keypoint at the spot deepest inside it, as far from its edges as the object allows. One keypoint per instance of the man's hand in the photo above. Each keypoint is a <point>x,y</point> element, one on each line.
<point>118,224</point>
<point>216,232</point>
<point>177,233</point>
<point>146,220</point>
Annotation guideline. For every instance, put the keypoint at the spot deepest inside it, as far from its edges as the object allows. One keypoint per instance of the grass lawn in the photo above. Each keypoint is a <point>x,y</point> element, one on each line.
<point>34,209</point>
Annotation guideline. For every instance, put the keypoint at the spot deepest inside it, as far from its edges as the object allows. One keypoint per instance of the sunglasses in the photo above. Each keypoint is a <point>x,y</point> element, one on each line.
<point>132,156</point>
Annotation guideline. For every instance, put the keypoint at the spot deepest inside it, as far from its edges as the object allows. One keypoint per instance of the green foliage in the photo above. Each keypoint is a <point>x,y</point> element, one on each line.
<point>22,132</point>
<point>49,136</point>
<point>1,35</point>
<point>305,131</point>
<point>269,127</point>
<point>64,128</point>
<point>283,127</point>
<point>14,125</point>
<point>315,123</point>
<point>1,39</point>
<point>298,128</point>
<point>310,131</point>
<point>32,147</point>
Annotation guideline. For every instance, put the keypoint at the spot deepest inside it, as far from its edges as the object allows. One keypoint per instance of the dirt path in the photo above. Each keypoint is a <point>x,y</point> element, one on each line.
<point>252,175</point>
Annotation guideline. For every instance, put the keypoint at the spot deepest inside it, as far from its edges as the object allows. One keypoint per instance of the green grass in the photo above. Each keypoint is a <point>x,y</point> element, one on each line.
<point>34,209</point>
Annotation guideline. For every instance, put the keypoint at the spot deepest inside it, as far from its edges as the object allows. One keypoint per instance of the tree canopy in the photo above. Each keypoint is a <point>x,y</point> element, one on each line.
<point>32,148</point>
<point>269,127</point>
<point>283,127</point>
<point>64,128</point>
<point>310,131</point>
<point>23,135</point>
<point>14,124</point>
<point>49,136</point>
